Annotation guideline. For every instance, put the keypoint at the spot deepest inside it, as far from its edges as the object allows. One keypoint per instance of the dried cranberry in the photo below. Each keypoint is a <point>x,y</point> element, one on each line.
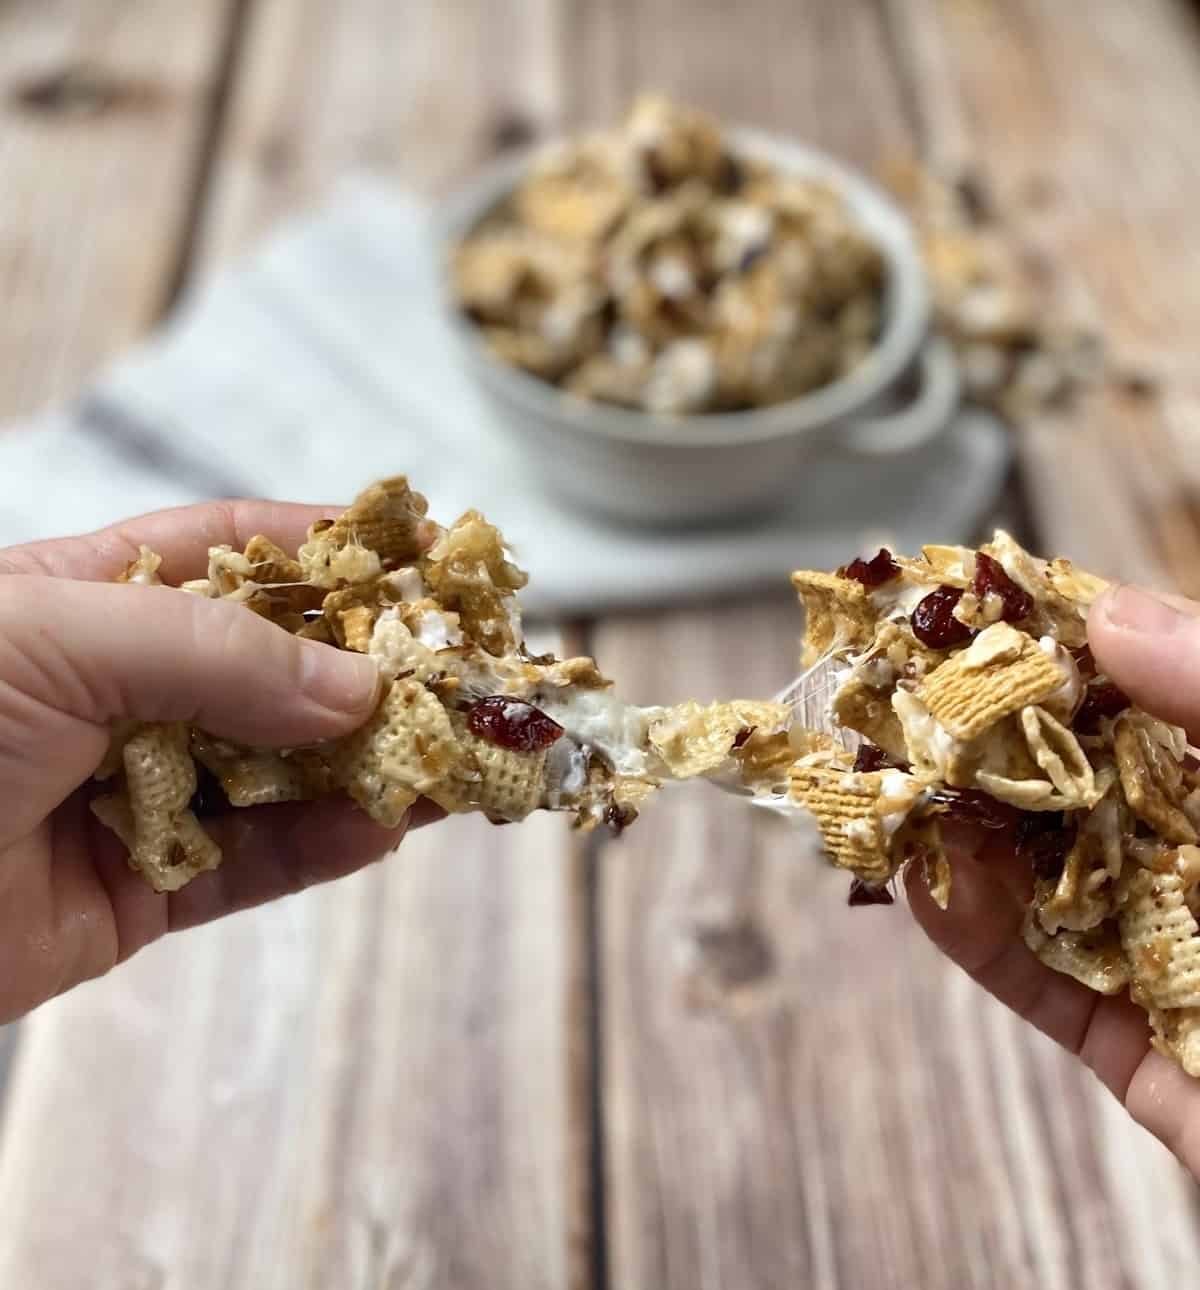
<point>862,893</point>
<point>870,758</point>
<point>1084,660</point>
<point>731,176</point>
<point>990,579</point>
<point>209,798</point>
<point>1044,838</point>
<point>933,621</point>
<point>874,572</point>
<point>974,807</point>
<point>510,723</point>
<point>657,173</point>
<point>1100,700</point>
<point>742,735</point>
<point>618,818</point>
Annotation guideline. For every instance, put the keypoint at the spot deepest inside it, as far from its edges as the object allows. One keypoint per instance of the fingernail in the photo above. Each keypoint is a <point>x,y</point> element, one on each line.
<point>339,680</point>
<point>1134,610</point>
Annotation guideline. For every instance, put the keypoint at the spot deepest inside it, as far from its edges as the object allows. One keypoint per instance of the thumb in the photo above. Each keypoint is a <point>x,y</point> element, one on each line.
<point>1149,646</point>
<point>76,656</point>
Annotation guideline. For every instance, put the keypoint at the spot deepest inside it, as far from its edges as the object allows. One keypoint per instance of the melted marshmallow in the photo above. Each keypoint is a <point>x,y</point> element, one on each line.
<point>597,719</point>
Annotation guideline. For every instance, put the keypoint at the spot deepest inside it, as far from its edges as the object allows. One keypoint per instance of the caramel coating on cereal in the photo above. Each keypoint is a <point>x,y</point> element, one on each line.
<point>995,727</point>
<point>436,609</point>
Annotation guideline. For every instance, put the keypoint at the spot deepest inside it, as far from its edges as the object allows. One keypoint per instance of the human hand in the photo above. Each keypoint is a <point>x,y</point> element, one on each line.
<point>1150,648</point>
<point>78,652</point>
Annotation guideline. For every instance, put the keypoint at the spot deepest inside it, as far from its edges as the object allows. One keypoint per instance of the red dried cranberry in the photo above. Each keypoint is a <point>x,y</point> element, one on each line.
<point>1044,838</point>
<point>874,572</point>
<point>974,807</point>
<point>209,799</point>
<point>1084,660</point>
<point>990,579</point>
<point>731,176</point>
<point>618,818</point>
<point>510,723</point>
<point>870,758</point>
<point>742,735</point>
<point>862,893</point>
<point>933,621</point>
<point>1100,700</point>
<point>657,173</point>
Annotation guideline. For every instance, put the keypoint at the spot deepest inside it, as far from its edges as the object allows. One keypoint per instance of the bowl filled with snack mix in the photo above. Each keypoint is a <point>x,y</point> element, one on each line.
<point>672,320</point>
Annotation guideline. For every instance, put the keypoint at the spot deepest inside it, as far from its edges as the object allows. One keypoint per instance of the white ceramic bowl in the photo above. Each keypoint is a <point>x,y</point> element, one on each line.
<point>658,470</point>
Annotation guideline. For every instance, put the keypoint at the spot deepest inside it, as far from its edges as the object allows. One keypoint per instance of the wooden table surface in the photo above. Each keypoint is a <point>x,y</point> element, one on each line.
<point>507,1058</point>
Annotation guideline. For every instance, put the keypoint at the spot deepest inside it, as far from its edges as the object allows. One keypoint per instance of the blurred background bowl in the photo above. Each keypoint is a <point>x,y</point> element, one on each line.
<point>653,469</point>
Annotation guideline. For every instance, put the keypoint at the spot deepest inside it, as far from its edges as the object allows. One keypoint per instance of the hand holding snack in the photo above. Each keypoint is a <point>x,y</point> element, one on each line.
<point>77,657</point>
<point>327,696</point>
<point>1011,733</point>
<point>1150,649</point>
<point>466,716</point>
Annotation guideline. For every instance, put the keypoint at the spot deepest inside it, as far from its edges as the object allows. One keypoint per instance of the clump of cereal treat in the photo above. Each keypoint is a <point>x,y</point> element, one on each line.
<point>653,267</point>
<point>469,718</point>
<point>964,689</point>
<point>960,687</point>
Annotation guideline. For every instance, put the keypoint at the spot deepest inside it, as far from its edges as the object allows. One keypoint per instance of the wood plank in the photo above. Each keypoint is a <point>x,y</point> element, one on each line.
<point>356,1087</point>
<point>1084,161</point>
<point>765,64</point>
<point>103,113</point>
<point>796,1093</point>
<point>1103,188</point>
<point>799,1093</point>
<point>422,92</point>
<point>380,1083</point>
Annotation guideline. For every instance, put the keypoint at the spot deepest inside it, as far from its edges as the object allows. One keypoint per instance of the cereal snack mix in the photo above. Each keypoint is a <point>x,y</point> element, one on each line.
<point>652,267</point>
<point>964,688</point>
<point>960,686</point>
<point>469,718</point>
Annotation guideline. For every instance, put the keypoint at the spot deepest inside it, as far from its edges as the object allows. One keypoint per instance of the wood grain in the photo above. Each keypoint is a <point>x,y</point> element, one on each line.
<point>422,92</point>
<point>387,1082</point>
<point>103,112</point>
<point>1101,182</point>
<point>358,1087</point>
<point>767,64</point>
<point>382,1083</point>
<point>795,1093</point>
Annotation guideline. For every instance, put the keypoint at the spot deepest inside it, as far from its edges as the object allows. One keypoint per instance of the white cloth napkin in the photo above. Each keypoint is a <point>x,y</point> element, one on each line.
<point>324,361</point>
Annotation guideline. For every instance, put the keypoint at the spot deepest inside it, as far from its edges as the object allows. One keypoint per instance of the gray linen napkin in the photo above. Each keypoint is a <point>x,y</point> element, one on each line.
<point>324,361</point>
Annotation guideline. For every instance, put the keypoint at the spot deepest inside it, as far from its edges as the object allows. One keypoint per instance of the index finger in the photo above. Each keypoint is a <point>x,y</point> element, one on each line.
<point>181,536</point>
